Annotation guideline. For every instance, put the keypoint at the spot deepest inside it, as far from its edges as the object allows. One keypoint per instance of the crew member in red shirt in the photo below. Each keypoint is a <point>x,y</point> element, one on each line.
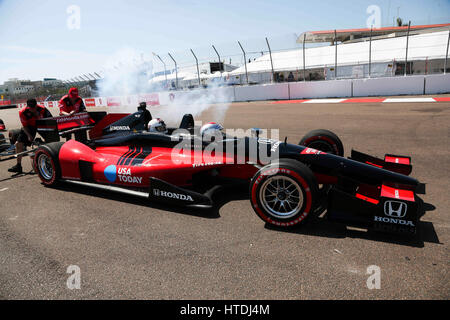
<point>28,117</point>
<point>71,103</point>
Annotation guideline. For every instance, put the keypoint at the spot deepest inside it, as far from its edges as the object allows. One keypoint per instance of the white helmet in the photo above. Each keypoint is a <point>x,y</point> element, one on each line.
<point>211,128</point>
<point>157,125</point>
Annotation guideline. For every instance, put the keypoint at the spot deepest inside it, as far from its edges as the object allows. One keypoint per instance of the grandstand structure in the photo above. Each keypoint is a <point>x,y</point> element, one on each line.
<point>350,53</point>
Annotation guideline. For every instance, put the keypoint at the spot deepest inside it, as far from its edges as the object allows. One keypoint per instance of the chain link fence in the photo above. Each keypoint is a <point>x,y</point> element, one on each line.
<point>260,61</point>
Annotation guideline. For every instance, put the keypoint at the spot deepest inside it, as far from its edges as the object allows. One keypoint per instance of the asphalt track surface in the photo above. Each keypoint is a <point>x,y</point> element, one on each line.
<point>129,249</point>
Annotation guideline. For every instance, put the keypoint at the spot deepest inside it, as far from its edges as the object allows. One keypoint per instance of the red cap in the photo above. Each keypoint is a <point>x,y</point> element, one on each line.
<point>73,92</point>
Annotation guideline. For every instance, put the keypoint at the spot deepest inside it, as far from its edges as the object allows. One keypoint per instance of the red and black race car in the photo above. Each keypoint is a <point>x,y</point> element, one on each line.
<point>287,182</point>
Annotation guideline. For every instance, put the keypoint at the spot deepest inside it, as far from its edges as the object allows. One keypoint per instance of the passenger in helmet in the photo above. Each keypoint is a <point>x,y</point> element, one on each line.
<point>210,130</point>
<point>157,125</point>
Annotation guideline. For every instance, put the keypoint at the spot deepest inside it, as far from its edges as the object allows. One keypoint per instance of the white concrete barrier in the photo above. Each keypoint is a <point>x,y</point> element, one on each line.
<point>210,95</point>
<point>388,86</point>
<point>437,83</point>
<point>320,89</point>
<point>278,91</point>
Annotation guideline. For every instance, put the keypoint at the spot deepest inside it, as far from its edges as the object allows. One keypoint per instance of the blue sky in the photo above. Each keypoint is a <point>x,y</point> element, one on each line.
<point>35,41</point>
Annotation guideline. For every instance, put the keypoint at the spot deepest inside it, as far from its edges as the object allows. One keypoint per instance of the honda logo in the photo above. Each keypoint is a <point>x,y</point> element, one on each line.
<point>395,209</point>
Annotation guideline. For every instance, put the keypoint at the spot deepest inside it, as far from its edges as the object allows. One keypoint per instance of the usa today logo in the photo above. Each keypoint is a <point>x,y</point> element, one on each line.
<point>124,174</point>
<point>110,173</point>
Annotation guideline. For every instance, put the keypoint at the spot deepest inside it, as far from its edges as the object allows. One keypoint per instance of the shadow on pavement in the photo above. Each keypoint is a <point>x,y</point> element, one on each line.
<point>319,226</point>
<point>115,196</point>
<point>19,175</point>
<point>316,226</point>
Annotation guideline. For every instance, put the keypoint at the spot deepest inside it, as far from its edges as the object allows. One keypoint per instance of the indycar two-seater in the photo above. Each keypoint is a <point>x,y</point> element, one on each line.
<point>287,183</point>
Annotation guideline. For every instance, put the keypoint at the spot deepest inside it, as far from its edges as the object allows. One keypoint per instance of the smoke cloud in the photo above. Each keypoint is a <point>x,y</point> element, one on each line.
<point>128,75</point>
<point>213,101</point>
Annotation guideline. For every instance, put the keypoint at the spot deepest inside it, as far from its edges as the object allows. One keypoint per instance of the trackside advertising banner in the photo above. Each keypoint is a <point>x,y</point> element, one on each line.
<point>152,99</point>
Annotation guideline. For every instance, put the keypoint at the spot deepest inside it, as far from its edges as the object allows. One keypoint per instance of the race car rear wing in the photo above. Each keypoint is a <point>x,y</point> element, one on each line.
<point>52,129</point>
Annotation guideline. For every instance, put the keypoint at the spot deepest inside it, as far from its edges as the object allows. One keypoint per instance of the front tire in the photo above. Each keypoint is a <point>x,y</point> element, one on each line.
<point>326,141</point>
<point>284,193</point>
<point>323,140</point>
<point>46,163</point>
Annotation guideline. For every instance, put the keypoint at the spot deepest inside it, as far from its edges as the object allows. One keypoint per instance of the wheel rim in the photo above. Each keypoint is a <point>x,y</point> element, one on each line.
<point>281,196</point>
<point>45,166</point>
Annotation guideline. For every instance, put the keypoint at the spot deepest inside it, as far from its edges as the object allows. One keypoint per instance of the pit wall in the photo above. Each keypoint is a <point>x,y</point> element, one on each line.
<point>386,86</point>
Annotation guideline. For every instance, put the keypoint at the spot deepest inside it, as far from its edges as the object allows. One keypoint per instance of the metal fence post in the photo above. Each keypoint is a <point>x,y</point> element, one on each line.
<point>218,56</point>
<point>165,69</point>
<point>304,67</point>
<point>198,72</point>
<point>407,40</point>
<point>335,55</point>
<point>446,53</point>
<point>176,69</point>
<point>245,61</point>
<point>370,50</point>
<point>271,61</point>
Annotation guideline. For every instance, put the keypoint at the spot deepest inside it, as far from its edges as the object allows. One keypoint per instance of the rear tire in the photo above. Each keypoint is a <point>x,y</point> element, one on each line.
<point>323,140</point>
<point>284,193</point>
<point>46,163</point>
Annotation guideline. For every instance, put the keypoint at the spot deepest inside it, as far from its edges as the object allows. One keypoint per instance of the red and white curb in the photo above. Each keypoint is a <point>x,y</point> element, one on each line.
<point>106,102</point>
<point>366,100</point>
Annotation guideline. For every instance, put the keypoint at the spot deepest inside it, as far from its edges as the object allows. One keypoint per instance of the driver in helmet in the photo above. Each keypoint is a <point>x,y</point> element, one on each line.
<point>210,130</point>
<point>157,125</point>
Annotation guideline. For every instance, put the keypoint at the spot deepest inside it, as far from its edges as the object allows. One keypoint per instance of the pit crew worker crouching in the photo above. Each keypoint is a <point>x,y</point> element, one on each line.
<point>71,103</point>
<point>28,117</point>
